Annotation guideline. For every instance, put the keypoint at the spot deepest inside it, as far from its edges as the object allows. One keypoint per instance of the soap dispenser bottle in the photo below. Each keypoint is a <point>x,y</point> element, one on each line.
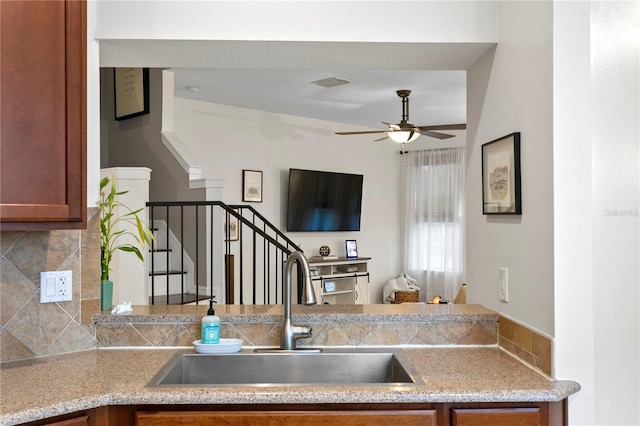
<point>210,333</point>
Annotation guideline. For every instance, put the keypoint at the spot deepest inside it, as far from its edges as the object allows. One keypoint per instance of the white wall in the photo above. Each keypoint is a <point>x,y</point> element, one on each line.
<point>615,66</point>
<point>574,338</point>
<point>596,110</point>
<point>461,21</point>
<point>227,140</point>
<point>508,90</point>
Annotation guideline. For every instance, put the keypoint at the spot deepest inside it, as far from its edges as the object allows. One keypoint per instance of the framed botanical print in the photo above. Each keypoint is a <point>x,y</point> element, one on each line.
<point>233,230</point>
<point>252,186</point>
<point>501,176</point>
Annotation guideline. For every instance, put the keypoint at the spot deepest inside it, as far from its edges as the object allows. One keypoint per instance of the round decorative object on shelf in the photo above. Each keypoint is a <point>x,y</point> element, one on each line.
<point>324,251</point>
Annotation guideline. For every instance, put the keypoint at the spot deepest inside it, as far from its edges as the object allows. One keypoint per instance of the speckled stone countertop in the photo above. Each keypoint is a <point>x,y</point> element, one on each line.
<point>57,385</point>
<point>318,313</point>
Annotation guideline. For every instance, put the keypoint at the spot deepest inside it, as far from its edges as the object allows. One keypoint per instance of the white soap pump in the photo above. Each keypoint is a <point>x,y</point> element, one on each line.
<point>210,333</point>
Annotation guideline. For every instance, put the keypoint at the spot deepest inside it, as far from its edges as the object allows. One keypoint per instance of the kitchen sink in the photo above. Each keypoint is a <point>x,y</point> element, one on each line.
<point>300,367</point>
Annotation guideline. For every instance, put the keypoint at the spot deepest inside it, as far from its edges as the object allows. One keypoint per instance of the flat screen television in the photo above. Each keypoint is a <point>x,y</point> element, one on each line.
<point>323,201</point>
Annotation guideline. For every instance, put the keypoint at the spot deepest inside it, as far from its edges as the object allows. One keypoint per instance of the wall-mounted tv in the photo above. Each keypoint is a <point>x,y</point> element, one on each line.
<point>323,201</point>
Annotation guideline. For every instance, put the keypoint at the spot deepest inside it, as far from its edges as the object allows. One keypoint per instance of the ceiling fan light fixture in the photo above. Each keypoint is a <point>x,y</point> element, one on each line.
<point>403,136</point>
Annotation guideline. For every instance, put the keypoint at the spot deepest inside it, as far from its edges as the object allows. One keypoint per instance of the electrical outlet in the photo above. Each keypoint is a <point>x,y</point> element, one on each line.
<point>55,286</point>
<point>503,277</point>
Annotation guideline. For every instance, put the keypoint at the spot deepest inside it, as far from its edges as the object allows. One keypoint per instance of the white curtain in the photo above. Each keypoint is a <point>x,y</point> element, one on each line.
<point>434,220</point>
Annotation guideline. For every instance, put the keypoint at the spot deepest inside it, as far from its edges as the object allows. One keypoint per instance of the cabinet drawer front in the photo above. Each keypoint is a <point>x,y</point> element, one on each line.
<point>497,416</point>
<point>78,421</point>
<point>286,418</point>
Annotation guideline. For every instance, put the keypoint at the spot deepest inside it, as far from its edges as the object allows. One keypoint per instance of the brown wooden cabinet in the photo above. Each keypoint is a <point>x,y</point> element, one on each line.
<point>287,418</point>
<point>384,414</point>
<point>43,114</point>
<point>427,414</point>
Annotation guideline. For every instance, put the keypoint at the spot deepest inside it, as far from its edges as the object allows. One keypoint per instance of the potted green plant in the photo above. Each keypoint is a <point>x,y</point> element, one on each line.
<point>111,234</point>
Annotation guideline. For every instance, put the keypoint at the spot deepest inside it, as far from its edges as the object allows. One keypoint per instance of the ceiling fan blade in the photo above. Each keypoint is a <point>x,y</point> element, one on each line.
<point>381,139</point>
<point>444,127</point>
<point>436,135</point>
<point>364,132</point>
<point>391,126</point>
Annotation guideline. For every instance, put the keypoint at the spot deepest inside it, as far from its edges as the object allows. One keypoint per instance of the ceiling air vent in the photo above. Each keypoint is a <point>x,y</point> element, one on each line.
<point>331,82</point>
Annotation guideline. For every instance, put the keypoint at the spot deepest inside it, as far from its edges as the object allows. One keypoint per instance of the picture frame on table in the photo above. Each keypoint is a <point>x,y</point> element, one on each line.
<point>131,92</point>
<point>351,249</point>
<point>252,186</point>
<point>501,181</point>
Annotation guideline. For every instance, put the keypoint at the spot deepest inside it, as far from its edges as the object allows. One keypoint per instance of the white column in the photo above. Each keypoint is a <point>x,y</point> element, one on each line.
<point>213,192</point>
<point>128,273</point>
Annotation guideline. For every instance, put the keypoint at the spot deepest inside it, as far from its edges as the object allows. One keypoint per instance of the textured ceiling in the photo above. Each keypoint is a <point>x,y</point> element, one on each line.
<point>276,76</point>
<point>438,97</point>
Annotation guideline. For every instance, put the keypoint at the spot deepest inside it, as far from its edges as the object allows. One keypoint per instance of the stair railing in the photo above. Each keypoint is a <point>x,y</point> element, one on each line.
<point>224,242</point>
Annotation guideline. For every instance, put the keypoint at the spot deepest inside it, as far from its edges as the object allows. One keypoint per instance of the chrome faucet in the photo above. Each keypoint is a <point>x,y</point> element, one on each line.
<point>291,332</point>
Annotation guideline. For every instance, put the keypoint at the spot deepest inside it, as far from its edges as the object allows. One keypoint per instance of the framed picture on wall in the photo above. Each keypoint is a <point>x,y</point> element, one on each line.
<point>501,176</point>
<point>131,96</point>
<point>233,230</point>
<point>252,186</point>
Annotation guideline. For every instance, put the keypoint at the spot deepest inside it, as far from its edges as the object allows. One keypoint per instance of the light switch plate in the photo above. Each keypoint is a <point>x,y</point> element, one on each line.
<point>55,286</point>
<point>503,276</point>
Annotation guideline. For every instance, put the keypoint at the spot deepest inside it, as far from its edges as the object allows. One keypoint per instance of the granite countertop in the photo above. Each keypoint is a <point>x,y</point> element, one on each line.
<point>61,384</point>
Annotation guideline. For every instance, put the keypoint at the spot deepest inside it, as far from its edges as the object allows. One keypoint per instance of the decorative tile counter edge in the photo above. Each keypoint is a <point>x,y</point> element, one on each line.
<point>346,325</point>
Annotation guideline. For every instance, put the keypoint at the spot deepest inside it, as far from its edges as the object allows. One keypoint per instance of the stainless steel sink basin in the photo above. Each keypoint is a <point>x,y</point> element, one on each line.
<point>331,366</point>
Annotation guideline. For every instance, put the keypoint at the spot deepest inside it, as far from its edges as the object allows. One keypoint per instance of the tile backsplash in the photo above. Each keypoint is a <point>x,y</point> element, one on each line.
<point>29,329</point>
<point>327,333</point>
<point>526,344</point>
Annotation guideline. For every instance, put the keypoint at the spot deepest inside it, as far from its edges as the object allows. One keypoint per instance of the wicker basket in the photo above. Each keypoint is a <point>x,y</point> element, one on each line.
<point>406,297</point>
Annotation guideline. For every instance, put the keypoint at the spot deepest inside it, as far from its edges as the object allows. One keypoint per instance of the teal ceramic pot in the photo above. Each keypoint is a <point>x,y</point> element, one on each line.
<point>106,295</point>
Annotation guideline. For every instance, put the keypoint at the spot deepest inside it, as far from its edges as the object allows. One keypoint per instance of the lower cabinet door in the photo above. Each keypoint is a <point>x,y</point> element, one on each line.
<point>497,416</point>
<point>76,421</point>
<point>287,418</point>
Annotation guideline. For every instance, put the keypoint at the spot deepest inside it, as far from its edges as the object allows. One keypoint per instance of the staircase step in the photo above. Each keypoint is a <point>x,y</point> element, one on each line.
<point>172,272</point>
<point>175,299</point>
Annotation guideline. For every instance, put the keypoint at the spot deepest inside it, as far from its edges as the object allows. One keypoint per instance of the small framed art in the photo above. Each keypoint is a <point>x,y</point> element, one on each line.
<point>131,92</point>
<point>252,186</point>
<point>352,248</point>
<point>501,176</point>
<point>233,231</point>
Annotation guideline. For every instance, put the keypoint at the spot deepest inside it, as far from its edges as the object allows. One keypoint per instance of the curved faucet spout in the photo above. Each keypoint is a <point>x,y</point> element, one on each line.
<point>291,332</point>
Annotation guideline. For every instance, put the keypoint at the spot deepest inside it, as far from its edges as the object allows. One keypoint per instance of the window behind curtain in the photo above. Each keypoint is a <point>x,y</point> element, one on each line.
<point>434,220</point>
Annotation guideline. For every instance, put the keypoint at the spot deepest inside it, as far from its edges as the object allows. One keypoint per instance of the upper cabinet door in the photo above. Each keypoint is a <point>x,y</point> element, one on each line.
<point>43,114</point>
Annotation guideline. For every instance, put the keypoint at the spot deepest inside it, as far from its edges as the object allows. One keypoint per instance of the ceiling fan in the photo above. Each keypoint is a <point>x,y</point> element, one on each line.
<point>405,132</point>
